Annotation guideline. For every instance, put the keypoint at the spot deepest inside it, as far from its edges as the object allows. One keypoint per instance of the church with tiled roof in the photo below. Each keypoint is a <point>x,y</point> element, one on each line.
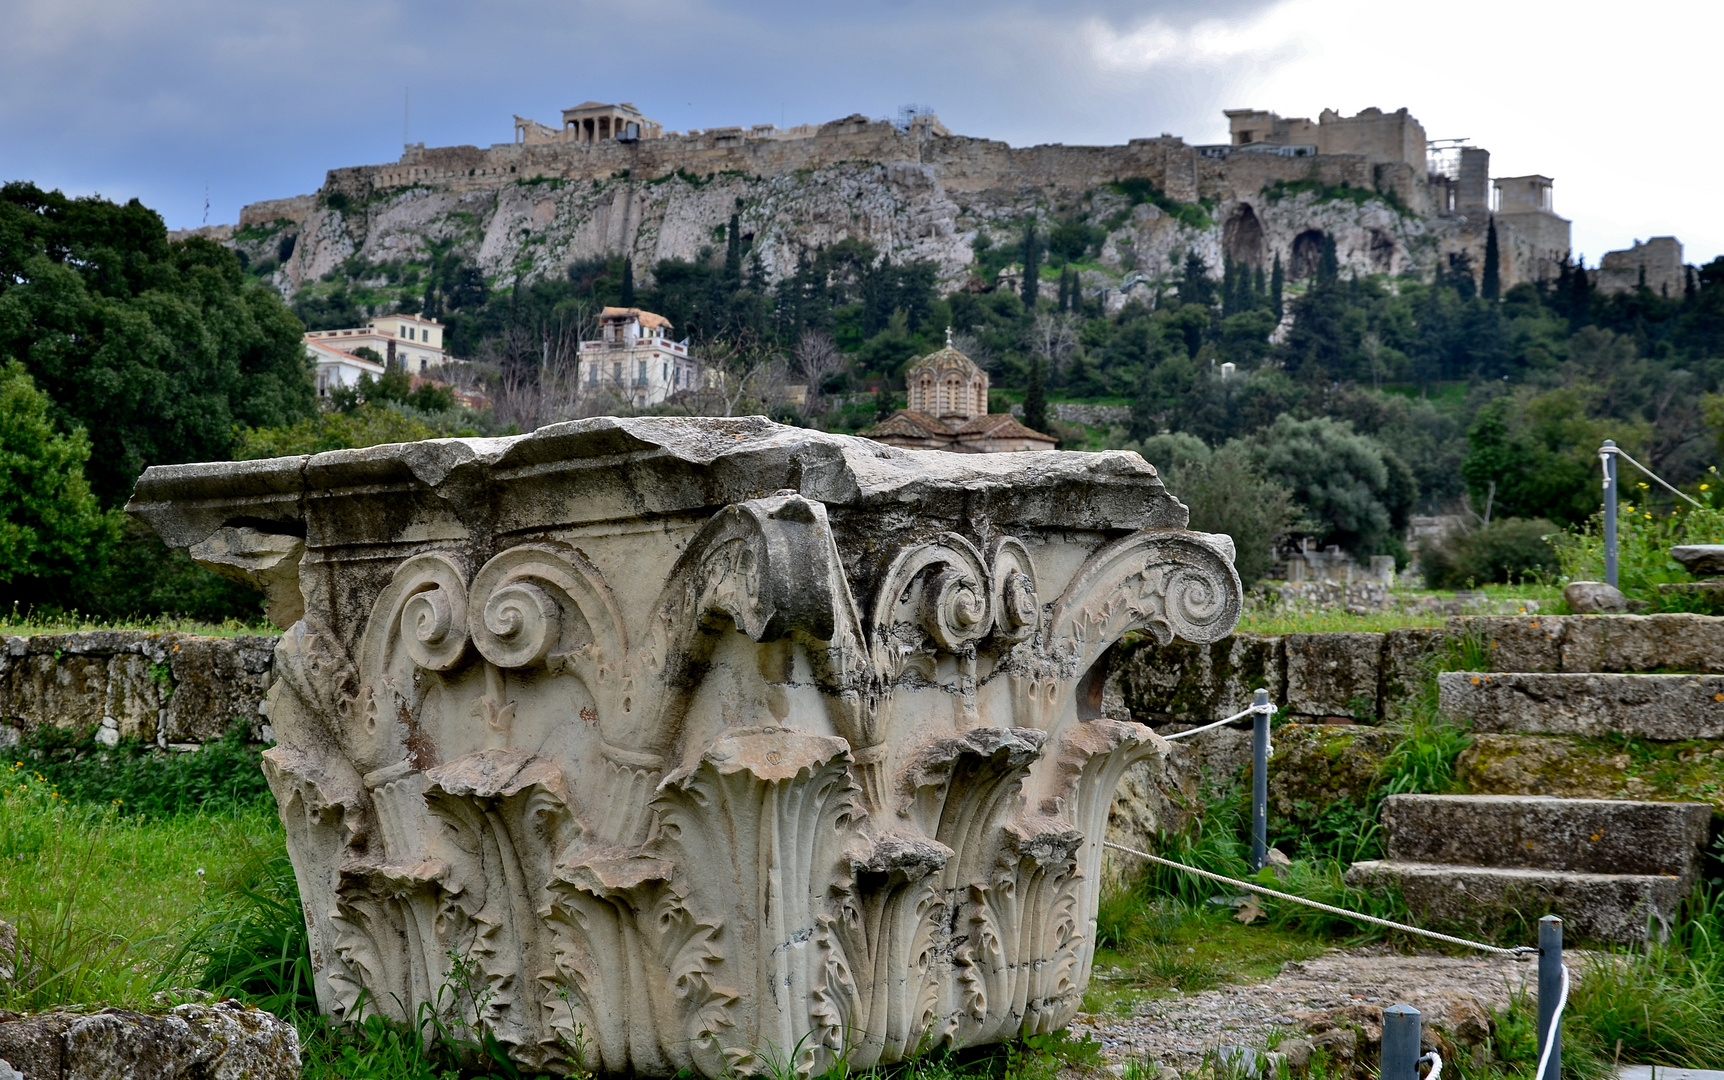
<point>948,410</point>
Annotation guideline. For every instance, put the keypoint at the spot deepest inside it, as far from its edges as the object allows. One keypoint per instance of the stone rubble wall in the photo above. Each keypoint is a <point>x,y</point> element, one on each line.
<point>175,690</point>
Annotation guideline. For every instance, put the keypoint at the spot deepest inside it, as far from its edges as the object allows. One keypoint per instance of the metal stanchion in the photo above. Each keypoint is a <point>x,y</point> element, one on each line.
<point>1549,993</point>
<point>1260,780</point>
<point>1606,452</point>
<point>1400,1043</point>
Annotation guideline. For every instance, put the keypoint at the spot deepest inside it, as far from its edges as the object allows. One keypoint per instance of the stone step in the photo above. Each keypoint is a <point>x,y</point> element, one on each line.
<point>1594,907</point>
<point>1583,643</point>
<point>1533,832</point>
<point>1661,707</point>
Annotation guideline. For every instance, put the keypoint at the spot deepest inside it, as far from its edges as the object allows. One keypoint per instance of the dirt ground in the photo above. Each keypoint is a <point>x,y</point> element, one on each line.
<point>1333,1000</point>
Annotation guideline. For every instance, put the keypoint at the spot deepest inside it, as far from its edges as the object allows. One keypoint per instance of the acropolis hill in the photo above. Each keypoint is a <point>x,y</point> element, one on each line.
<point>610,182</point>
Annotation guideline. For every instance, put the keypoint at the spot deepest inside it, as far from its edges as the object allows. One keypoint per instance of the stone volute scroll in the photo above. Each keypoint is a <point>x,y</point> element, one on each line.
<point>708,745</point>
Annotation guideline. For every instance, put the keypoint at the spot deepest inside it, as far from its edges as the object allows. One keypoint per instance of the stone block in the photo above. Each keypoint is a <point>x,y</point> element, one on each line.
<point>1609,908</point>
<point>1594,598</point>
<point>1600,836</point>
<point>220,1041</point>
<point>1333,675</point>
<point>1569,769</point>
<point>1316,766</point>
<point>67,691</point>
<point>703,739</point>
<point>1409,664</point>
<point>1644,643</point>
<point>134,695</point>
<point>1510,642</point>
<point>1701,560</point>
<point>1186,684</point>
<point>212,688</point>
<point>1664,707</point>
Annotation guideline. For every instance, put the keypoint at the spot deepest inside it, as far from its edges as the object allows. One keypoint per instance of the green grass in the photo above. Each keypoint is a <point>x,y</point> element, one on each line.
<point>102,900</point>
<point>24,623</point>
<point>1279,620</point>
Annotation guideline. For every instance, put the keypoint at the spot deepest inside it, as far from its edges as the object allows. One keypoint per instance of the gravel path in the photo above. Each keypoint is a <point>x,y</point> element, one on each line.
<point>1455,994</point>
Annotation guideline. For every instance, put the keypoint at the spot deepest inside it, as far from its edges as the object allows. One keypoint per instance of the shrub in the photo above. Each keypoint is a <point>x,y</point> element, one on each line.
<point>1505,551</point>
<point>1644,538</point>
<point>1228,493</point>
<point>136,778</point>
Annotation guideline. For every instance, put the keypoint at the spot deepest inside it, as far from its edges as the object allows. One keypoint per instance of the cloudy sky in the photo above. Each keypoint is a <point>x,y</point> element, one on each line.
<point>160,99</point>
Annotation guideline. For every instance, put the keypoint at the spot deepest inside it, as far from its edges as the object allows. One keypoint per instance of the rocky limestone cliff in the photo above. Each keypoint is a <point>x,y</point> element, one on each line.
<point>522,212</point>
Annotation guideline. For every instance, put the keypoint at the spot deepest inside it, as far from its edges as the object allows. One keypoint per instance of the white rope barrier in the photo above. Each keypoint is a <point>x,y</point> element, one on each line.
<point>1555,1027</point>
<point>1269,709</point>
<point>1518,951</point>
<point>1604,451</point>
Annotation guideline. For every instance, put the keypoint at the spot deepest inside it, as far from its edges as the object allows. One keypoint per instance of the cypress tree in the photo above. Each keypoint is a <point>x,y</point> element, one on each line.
<point>628,289</point>
<point>1492,288</point>
<point>1032,286</point>
<point>1689,289</point>
<point>1035,399</point>
<point>733,250</point>
<point>1277,282</point>
<point>1143,403</point>
<point>1328,262</point>
<point>882,402</point>
<point>1257,288</point>
<point>1579,296</point>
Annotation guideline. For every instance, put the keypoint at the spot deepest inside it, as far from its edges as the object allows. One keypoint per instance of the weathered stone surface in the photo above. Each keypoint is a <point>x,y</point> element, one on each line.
<point>1600,836</point>
<point>1318,765</point>
<point>1410,657</point>
<point>1510,642</point>
<point>1183,683</point>
<point>707,739</point>
<point>1594,907</point>
<point>1666,642</point>
<point>1594,598</point>
<point>1701,560</point>
<point>1563,767</point>
<point>151,686</point>
<point>222,1041</point>
<point>1583,643</point>
<point>216,683</point>
<point>1668,707</point>
<point>1333,675</point>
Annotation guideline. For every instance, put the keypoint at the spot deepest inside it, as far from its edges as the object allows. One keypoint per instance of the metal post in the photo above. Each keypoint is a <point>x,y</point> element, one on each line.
<point>1549,989</point>
<point>1260,780</point>
<point>1400,1043</point>
<point>1609,510</point>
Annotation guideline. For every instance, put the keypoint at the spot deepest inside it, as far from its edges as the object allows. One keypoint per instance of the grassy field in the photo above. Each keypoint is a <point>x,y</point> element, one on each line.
<point>136,874</point>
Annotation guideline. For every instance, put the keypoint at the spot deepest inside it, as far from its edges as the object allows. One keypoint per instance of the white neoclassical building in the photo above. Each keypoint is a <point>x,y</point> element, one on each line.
<point>635,358</point>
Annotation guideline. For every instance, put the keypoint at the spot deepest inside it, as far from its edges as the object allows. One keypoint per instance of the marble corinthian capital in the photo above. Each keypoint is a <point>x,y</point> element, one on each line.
<point>666,744</point>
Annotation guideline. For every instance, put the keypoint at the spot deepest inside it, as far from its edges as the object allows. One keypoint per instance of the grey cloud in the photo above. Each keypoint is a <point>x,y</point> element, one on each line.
<point>259,99</point>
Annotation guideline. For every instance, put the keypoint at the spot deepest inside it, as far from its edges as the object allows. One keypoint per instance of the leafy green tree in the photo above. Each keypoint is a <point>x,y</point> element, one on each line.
<point>1277,286</point>
<point>1227,493</point>
<point>1356,492</point>
<point>626,295</point>
<point>51,526</point>
<point>1492,287</point>
<point>366,425</point>
<point>156,350</point>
